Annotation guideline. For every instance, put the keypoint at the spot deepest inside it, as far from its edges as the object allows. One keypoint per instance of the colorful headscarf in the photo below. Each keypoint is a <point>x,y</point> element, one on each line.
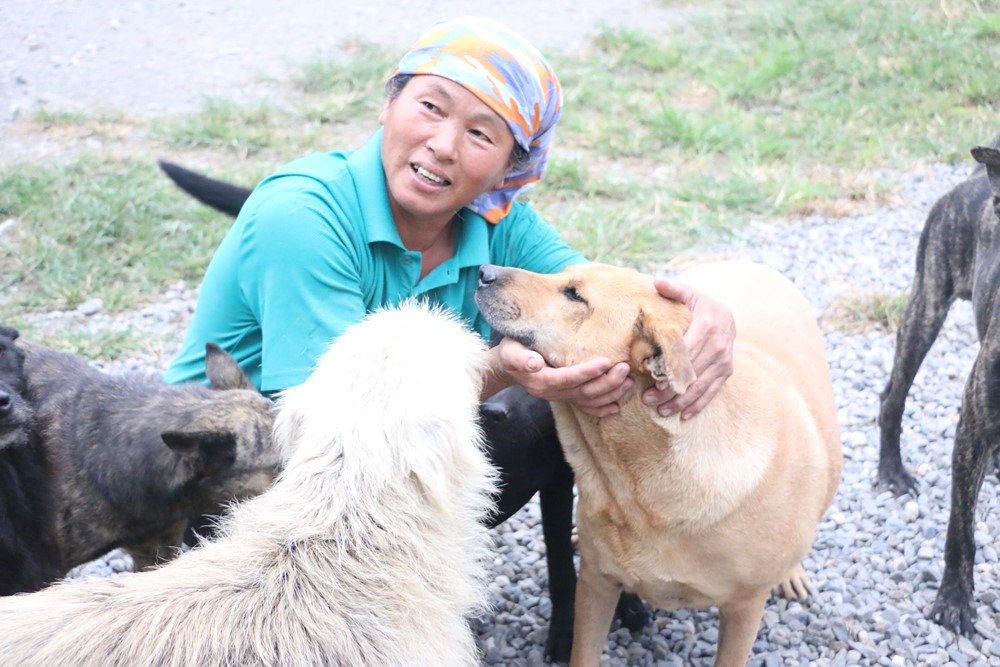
<point>507,73</point>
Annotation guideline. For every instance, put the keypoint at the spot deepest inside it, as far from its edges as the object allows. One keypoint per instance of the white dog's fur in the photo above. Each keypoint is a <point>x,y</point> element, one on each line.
<point>368,550</point>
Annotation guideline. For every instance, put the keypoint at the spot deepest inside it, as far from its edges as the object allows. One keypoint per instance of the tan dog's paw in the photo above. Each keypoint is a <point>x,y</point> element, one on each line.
<point>797,586</point>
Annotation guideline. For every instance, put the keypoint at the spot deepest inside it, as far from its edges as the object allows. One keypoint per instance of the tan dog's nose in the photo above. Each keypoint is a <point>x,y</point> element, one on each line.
<point>488,275</point>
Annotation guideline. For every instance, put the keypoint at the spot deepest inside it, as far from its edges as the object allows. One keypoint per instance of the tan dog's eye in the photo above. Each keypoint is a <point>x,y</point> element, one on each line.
<point>572,294</point>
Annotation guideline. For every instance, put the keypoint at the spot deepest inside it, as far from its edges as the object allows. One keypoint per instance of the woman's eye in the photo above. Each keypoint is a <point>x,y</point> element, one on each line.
<point>573,295</point>
<point>482,136</point>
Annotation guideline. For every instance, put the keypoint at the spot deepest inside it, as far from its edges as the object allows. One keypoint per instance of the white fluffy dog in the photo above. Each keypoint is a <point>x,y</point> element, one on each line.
<point>368,550</point>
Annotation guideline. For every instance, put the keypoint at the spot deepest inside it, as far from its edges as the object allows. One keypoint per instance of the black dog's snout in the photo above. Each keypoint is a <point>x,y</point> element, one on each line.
<point>488,275</point>
<point>5,402</point>
<point>493,413</point>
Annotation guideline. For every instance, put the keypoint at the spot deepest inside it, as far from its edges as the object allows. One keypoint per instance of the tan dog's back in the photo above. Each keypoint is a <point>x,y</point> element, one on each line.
<point>775,324</point>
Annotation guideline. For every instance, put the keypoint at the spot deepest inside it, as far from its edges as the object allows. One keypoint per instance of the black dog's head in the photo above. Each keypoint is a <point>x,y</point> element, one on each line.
<point>15,413</point>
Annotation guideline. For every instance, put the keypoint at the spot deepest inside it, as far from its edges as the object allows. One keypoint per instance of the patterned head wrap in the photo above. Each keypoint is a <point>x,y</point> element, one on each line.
<point>511,77</point>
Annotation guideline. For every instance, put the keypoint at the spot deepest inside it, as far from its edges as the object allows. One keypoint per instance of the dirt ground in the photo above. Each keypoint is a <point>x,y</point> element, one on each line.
<point>150,58</point>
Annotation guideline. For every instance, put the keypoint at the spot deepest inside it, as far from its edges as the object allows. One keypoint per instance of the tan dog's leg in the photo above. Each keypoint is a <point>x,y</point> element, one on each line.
<point>738,627</point>
<point>596,597</point>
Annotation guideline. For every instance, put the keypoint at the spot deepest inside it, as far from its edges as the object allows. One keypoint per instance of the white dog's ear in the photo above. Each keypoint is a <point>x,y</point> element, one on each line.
<point>658,348</point>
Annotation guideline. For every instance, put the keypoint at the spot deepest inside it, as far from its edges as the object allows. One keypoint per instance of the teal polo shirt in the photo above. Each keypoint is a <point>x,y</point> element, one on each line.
<point>315,249</point>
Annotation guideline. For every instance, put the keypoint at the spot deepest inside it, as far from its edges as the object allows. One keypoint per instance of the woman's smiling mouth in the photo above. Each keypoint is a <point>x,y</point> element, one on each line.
<point>428,176</point>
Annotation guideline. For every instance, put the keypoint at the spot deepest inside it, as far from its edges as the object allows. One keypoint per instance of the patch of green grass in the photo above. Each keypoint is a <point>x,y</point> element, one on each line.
<point>224,124</point>
<point>630,49</point>
<point>96,227</point>
<point>804,87</point>
<point>985,26</point>
<point>349,86</point>
<point>105,345</point>
<point>325,102</point>
<point>49,117</point>
<point>864,311</point>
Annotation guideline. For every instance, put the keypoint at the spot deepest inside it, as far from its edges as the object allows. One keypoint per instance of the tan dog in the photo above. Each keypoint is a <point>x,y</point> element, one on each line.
<point>712,511</point>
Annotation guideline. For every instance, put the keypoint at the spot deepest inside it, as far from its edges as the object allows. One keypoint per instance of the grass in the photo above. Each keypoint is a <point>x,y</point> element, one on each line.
<point>96,344</point>
<point>747,110</point>
<point>96,226</point>
<point>862,312</point>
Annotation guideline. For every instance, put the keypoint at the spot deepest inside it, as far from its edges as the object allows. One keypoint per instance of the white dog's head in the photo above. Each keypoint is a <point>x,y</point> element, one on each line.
<point>396,395</point>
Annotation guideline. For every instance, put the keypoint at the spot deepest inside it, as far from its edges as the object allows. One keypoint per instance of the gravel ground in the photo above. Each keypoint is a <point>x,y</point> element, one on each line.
<point>877,560</point>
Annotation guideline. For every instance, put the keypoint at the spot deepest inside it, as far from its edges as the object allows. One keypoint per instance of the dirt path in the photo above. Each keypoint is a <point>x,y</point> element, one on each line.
<point>152,58</point>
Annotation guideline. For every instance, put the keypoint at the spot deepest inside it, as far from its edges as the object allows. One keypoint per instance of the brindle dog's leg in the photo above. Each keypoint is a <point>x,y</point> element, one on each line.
<point>943,273</point>
<point>976,441</point>
<point>925,313</point>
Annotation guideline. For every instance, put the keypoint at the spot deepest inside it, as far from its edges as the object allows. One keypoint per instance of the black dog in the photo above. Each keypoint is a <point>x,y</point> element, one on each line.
<point>29,554</point>
<point>958,257</point>
<point>522,444</point>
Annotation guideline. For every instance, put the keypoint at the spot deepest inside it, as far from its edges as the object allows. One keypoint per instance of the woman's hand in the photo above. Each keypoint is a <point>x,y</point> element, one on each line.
<point>709,341</point>
<point>594,386</point>
<point>597,385</point>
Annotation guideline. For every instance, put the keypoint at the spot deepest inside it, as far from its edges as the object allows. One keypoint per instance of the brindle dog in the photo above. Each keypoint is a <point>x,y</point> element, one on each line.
<point>958,257</point>
<point>132,458</point>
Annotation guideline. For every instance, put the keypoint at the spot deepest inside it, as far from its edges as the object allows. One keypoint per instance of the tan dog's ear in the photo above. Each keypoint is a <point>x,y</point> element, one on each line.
<point>658,347</point>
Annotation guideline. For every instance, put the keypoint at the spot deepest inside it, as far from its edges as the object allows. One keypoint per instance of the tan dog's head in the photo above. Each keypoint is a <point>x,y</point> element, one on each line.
<point>588,311</point>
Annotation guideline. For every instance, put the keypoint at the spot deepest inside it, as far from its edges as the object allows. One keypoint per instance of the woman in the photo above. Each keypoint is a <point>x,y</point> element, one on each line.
<point>468,119</point>
<point>466,127</point>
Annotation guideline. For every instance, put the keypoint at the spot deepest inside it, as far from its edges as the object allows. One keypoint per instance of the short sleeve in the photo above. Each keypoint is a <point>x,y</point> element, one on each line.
<point>300,272</point>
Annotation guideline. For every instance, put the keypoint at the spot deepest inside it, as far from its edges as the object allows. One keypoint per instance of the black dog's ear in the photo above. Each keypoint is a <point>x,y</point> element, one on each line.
<point>9,332</point>
<point>223,371</point>
<point>208,452</point>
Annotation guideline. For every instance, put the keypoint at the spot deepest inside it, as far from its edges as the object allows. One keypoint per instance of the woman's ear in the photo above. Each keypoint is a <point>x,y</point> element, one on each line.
<point>385,110</point>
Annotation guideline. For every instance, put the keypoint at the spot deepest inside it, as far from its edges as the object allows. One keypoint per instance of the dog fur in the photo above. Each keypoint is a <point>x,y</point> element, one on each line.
<point>133,459</point>
<point>520,438</point>
<point>958,257</point>
<point>369,549</point>
<point>716,510</point>
<point>28,551</point>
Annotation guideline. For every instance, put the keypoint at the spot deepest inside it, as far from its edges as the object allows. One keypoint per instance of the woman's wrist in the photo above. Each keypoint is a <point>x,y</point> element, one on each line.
<point>495,377</point>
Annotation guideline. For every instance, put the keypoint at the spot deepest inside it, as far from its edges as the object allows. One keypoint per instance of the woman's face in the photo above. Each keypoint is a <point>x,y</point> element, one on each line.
<point>441,148</point>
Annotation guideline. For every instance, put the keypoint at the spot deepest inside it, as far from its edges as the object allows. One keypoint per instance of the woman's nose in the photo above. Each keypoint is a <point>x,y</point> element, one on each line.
<point>444,141</point>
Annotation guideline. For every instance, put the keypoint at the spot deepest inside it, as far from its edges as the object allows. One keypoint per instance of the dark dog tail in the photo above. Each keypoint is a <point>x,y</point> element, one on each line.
<point>221,196</point>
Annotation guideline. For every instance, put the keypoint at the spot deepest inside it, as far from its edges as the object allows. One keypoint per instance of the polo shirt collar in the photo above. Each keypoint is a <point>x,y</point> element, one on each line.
<point>365,165</point>
<point>472,246</point>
